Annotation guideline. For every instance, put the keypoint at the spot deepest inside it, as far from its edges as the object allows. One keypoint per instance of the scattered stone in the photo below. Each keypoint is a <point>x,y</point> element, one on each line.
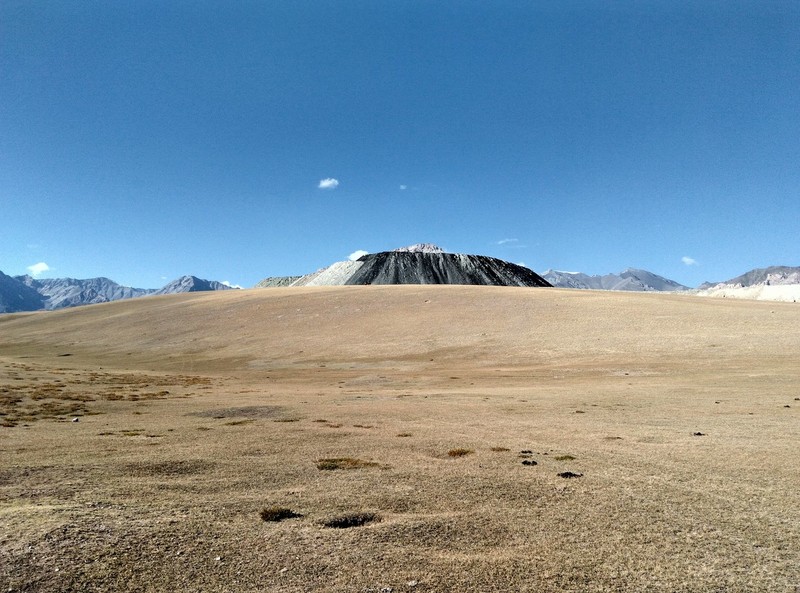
<point>76,419</point>
<point>529,462</point>
<point>698,434</point>
<point>569,475</point>
<point>412,583</point>
<point>787,406</point>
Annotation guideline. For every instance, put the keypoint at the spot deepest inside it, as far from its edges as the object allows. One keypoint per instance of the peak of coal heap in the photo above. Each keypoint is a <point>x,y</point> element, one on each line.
<point>421,267</point>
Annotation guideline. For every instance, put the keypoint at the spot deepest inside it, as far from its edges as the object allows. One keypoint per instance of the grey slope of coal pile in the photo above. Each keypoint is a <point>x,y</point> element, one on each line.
<point>277,281</point>
<point>423,267</point>
<point>335,274</point>
<point>191,284</point>
<point>59,293</point>
<point>630,280</point>
<point>16,296</point>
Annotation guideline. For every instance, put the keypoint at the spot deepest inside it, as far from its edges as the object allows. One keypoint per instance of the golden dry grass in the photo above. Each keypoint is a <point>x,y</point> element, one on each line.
<point>199,412</point>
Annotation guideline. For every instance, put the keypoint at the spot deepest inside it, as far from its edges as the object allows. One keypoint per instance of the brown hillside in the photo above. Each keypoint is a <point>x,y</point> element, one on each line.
<point>418,438</point>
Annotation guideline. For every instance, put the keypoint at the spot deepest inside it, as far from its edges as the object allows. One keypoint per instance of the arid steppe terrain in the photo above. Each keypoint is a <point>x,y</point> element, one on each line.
<point>403,438</point>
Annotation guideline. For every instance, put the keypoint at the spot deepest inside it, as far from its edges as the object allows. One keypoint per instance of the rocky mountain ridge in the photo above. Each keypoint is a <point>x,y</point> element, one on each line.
<point>24,293</point>
<point>631,279</point>
<point>192,284</point>
<point>775,283</point>
<point>70,292</point>
<point>16,296</point>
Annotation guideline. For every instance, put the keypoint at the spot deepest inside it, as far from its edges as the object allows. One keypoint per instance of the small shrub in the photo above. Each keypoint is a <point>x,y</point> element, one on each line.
<point>352,520</point>
<point>569,475</point>
<point>459,452</point>
<point>564,458</point>
<point>404,434</point>
<point>275,514</point>
<point>499,449</point>
<point>335,463</point>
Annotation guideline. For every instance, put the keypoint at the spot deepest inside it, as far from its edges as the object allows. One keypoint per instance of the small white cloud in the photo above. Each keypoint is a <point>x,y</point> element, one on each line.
<point>328,183</point>
<point>226,283</point>
<point>504,241</point>
<point>689,261</point>
<point>357,254</point>
<point>38,269</point>
<point>403,187</point>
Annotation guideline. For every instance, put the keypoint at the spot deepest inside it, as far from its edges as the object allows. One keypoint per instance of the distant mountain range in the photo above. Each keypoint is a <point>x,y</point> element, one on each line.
<point>422,263</point>
<point>24,293</point>
<point>630,279</point>
<point>776,283</point>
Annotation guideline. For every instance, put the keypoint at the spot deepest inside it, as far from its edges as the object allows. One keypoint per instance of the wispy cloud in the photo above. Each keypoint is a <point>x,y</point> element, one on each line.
<point>357,254</point>
<point>226,283</point>
<point>689,261</point>
<point>328,183</point>
<point>403,187</point>
<point>506,241</point>
<point>37,270</point>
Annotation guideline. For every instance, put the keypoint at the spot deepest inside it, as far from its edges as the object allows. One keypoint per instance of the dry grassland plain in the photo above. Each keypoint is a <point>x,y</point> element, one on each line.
<point>403,438</point>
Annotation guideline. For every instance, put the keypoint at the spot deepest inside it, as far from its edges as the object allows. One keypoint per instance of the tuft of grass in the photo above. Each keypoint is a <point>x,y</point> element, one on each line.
<point>276,514</point>
<point>569,475</point>
<point>286,420</point>
<point>351,520</point>
<point>459,452</point>
<point>499,449</point>
<point>405,434</point>
<point>239,422</point>
<point>335,463</point>
<point>564,458</point>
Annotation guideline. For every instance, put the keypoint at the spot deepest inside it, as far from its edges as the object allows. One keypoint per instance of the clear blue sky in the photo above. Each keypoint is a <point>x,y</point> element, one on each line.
<point>146,140</point>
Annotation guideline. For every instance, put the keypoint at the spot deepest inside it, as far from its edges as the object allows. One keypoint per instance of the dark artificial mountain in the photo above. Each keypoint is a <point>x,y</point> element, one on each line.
<point>631,279</point>
<point>422,263</point>
<point>16,296</point>
<point>192,284</point>
<point>430,267</point>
